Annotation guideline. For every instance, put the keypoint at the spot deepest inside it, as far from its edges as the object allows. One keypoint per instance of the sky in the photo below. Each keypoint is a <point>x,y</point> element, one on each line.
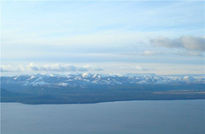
<point>117,36</point>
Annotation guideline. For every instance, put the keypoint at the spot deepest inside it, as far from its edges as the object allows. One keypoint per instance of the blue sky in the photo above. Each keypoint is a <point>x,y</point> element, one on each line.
<point>136,36</point>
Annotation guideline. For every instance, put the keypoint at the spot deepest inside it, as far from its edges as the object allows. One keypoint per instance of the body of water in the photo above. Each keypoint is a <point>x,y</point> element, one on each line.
<point>130,117</point>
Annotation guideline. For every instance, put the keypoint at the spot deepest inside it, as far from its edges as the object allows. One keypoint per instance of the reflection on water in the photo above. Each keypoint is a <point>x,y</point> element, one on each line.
<point>131,117</point>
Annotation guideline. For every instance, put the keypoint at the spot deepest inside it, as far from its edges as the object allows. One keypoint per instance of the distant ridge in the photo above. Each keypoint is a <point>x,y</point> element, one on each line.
<point>93,88</point>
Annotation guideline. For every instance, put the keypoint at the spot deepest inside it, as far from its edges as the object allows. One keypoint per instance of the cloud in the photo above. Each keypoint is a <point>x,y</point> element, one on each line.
<point>48,68</point>
<point>141,68</point>
<point>190,43</point>
<point>149,53</point>
<point>8,68</point>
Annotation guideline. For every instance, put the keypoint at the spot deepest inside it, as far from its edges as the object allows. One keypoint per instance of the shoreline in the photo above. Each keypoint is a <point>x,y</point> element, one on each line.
<point>103,101</point>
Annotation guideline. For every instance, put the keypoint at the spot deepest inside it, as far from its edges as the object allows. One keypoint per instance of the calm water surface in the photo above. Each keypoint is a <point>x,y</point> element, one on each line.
<point>131,117</point>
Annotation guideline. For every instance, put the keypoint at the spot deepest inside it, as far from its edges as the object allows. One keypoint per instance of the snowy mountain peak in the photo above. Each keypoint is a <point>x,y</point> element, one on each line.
<point>101,79</point>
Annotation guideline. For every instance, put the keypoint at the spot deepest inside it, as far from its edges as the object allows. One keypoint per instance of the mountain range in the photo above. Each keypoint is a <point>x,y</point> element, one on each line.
<point>93,88</point>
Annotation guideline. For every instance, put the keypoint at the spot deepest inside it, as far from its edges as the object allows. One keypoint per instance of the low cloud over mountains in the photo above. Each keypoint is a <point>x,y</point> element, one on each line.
<point>48,68</point>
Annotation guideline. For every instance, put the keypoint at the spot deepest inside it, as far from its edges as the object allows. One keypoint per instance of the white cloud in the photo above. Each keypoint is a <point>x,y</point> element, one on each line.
<point>149,53</point>
<point>141,68</point>
<point>47,68</point>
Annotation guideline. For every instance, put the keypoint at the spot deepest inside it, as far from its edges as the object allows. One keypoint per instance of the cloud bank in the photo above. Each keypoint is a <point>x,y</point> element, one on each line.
<point>48,68</point>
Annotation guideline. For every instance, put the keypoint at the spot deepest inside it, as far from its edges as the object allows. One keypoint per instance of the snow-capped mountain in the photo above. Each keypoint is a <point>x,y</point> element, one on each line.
<point>92,88</point>
<point>84,79</point>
